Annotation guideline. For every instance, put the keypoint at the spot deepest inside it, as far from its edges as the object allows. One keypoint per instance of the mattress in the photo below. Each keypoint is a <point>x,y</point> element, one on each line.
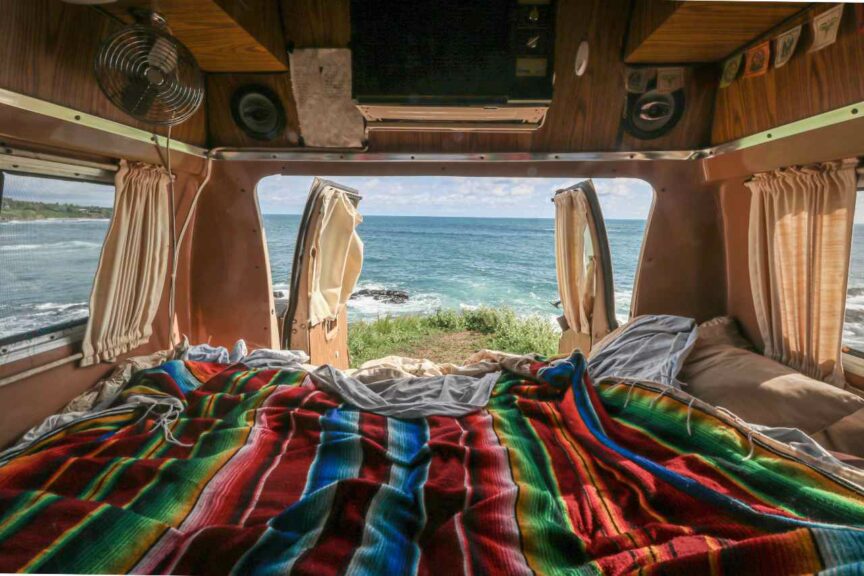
<point>231,469</point>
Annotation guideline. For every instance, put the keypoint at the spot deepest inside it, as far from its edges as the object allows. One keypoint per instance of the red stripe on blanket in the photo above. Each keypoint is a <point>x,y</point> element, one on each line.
<point>36,534</point>
<point>445,498</point>
<point>490,522</point>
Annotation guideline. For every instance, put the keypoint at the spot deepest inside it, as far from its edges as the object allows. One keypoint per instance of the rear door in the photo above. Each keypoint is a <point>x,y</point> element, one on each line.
<point>327,261</point>
<point>584,268</point>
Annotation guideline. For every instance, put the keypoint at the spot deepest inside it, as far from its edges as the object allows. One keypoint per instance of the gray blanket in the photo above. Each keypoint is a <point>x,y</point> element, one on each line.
<point>447,395</point>
<point>650,347</point>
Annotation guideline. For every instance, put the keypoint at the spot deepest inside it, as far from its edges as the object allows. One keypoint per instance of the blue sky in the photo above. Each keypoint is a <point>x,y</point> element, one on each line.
<point>412,196</point>
<point>394,195</point>
<point>456,196</point>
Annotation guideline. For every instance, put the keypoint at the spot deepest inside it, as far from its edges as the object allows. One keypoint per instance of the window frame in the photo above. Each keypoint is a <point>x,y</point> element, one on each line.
<point>71,332</point>
<point>851,358</point>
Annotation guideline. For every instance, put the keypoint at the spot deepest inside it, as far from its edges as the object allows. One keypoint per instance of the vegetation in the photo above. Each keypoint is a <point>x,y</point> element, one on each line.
<point>25,210</point>
<point>450,336</point>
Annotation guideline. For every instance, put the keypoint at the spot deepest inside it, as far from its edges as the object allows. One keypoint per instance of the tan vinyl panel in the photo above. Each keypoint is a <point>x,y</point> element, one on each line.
<point>735,210</point>
<point>230,287</point>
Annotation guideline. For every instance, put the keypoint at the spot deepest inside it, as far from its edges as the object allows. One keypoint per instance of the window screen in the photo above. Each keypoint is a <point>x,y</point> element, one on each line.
<point>51,234</point>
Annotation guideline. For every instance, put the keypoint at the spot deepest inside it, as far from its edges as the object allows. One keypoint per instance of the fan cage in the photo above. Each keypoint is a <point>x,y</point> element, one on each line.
<point>150,75</point>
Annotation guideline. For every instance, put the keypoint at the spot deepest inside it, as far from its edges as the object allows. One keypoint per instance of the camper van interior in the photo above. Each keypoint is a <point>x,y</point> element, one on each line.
<point>343,287</point>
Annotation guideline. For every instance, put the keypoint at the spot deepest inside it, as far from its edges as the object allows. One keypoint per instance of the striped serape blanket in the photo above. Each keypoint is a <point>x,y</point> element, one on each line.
<point>262,473</point>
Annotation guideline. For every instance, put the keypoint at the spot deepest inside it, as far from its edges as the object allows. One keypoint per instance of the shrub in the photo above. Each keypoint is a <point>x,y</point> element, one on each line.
<point>448,320</point>
<point>501,329</point>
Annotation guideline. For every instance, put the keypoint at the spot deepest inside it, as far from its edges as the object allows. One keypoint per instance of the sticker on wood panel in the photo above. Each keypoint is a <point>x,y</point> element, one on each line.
<point>825,28</point>
<point>730,70</point>
<point>637,79</point>
<point>785,44</point>
<point>669,80</point>
<point>757,59</point>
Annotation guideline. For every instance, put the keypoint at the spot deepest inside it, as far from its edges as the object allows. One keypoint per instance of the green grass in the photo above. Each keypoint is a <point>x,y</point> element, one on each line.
<point>11,209</point>
<point>450,336</point>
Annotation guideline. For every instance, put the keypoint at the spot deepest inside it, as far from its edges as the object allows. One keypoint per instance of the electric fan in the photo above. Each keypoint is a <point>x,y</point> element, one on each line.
<point>149,74</point>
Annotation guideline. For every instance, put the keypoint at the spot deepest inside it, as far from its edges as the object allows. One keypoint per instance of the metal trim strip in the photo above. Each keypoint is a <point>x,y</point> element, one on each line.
<point>825,119</point>
<point>282,155</point>
<point>30,104</point>
<point>20,161</point>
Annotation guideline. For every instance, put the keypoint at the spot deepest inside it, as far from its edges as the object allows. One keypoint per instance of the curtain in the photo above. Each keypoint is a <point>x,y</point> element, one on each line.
<point>133,266</point>
<point>574,264</point>
<point>337,257</point>
<point>799,244</point>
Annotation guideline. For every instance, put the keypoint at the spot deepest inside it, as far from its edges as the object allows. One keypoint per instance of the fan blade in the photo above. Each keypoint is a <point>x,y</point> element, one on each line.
<point>138,96</point>
<point>163,55</point>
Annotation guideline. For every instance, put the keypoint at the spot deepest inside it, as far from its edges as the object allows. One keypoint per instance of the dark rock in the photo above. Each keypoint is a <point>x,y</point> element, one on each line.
<point>389,296</point>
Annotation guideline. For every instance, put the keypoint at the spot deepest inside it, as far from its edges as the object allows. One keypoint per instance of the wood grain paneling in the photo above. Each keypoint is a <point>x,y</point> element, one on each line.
<point>48,49</point>
<point>223,35</point>
<point>647,17</point>
<point>664,31</point>
<point>225,132</point>
<point>317,23</point>
<point>809,84</point>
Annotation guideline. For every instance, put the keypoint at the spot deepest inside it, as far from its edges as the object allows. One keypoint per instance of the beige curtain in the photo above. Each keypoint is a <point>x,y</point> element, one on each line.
<point>575,266</point>
<point>799,245</point>
<point>132,269</point>
<point>337,257</point>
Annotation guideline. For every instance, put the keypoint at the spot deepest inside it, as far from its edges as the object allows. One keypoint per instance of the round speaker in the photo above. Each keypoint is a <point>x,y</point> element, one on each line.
<point>653,113</point>
<point>258,111</point>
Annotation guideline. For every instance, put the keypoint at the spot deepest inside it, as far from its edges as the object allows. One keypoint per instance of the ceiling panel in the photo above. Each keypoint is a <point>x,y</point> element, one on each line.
<point>662,31</point>
<point>223,35</point>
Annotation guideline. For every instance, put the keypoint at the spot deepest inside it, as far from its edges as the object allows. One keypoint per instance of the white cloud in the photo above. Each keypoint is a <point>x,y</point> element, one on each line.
<point>410,196</point>
<point>459,196</point>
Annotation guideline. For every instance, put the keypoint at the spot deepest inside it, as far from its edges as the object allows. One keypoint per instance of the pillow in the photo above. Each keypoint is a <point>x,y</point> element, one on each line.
<point>722,330</point>
<point>846,435</point>
<point>757,389</point>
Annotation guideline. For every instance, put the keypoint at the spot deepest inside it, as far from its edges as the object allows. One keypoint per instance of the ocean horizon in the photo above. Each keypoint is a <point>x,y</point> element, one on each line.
<point>441,262</point>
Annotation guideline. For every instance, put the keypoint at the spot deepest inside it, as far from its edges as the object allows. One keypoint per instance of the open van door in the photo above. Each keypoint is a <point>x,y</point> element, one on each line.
<point>584,268</point>
<point>327,262</point>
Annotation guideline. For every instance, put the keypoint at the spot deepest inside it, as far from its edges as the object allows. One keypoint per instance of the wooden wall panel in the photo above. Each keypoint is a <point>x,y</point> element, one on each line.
<point>225,132</point>
<point>48,48</point>
<point>807,85</point>
<point>223,35</point>
<point>647,16</point>
<point>317,23</point>
<point>664,31</point>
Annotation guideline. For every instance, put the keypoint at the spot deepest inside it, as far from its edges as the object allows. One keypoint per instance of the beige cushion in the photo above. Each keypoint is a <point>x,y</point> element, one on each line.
<point>722,330</point>
<point>846,435</point>
<point>758,389</point>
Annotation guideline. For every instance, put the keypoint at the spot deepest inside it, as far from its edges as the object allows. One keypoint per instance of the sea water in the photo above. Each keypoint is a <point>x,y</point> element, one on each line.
<point>457,263</point>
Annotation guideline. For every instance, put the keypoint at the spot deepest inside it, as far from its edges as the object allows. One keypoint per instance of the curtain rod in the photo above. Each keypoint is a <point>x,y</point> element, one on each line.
<point>27,162</point>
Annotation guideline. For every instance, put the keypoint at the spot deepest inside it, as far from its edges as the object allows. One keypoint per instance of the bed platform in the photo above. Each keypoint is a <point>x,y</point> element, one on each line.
<point>260,471</point>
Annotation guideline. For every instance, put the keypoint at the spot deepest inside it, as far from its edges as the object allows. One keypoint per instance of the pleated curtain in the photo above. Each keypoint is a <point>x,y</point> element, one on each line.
<point>337,257</point>
<point>133,266</point>
<point>800,239</point>
<point>575,269</point>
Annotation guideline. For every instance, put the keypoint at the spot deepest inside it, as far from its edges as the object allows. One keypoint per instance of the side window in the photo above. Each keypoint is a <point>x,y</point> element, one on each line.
<point>51,234</point>
<point>853,327</point>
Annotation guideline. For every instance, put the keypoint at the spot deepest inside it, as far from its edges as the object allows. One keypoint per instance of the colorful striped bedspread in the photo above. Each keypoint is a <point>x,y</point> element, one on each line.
<point>263,473</point>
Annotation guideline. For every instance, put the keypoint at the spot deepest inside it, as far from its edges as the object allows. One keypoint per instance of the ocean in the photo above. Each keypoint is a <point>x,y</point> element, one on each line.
<point>458,263</point>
